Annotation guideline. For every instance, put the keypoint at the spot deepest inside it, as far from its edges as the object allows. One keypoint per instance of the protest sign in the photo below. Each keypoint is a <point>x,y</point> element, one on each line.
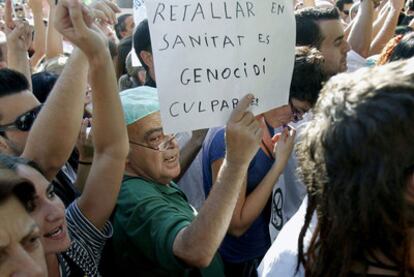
<point>209,54</point>
<point>139,13</point>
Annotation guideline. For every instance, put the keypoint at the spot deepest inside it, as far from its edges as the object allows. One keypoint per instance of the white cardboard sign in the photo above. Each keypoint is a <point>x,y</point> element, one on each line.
<point>209,54</point>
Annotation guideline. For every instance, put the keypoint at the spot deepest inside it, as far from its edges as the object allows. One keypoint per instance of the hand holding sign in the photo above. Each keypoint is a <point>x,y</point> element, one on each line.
<point>207,54</point>
<point>284,146</point>
<point>243,133</point>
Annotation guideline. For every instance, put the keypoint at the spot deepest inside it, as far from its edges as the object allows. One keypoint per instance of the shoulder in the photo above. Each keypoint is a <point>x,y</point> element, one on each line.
<point>80,227</point>
<point>135,188</point>
<point>281,258</point>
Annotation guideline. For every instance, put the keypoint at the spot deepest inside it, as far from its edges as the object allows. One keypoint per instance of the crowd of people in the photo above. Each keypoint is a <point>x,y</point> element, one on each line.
<point>90,185</point>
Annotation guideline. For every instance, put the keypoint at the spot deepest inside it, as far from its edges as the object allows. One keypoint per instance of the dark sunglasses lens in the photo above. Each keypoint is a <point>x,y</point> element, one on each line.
<point>25,121</point>
<point>346,12</point>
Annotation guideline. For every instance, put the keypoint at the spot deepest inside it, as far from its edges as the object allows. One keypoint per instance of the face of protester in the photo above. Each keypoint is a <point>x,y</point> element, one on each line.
<point>334,46</point>
<point>293,111</point>
<point>11,107</point>
<point>345,12</point>
<point>21,253</point>
<point>49,212</point>
<point>145,136</point>
<point>129,27</point>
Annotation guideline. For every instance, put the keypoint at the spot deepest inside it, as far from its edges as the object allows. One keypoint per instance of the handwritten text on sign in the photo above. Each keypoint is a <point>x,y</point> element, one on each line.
<point>209,54</point>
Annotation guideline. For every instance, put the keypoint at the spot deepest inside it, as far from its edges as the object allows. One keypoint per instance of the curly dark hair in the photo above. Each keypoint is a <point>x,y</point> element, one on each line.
<point>308,76</point>
<point>356,156</point>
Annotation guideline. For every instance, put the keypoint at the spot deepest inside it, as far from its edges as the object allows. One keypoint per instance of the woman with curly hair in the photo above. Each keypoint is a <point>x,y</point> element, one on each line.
<point>357,160</point>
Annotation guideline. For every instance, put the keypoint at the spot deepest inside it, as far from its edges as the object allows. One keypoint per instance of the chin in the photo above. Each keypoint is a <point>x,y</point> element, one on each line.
<point>54,247</point>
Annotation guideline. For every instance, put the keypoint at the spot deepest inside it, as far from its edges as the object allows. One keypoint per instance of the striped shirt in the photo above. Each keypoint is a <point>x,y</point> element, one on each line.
<point>87,243</point>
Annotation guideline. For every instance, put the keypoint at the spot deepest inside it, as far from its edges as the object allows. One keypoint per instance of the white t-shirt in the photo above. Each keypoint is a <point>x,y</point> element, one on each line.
<point>355,61</point>
<point>289,191</point>
<point>191,183</point>
<point>281,258</point>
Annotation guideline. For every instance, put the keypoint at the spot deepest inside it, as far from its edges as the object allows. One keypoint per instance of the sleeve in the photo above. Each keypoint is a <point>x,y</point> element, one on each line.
<point>84,232</point>
<point>217,149</point>
<point>152,225</point>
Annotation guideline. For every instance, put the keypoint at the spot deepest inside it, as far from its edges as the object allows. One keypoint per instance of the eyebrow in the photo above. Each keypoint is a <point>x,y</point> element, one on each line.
<point>32,228</point>
<point>150,132</point>
<point>339,38</point>
<point>30,231</point>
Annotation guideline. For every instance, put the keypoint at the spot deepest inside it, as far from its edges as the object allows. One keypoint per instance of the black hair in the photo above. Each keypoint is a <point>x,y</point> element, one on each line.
<point>341,3</point>
<point>43,83</point>
<point>308,77</point>
<point>142,41</point>
<point>11,184</point>
<point>356,157</point>
<point>307,28</point>
<point>404,49</point>
<point>113,48</point>
<point>121,26</point>
<point>124,47</point>
<point>12,82</point>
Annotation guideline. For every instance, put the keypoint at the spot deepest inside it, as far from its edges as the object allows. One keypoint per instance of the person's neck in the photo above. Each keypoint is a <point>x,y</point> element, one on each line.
<point>52,263</point>
<point>269,119</point>
<point>146,178</point>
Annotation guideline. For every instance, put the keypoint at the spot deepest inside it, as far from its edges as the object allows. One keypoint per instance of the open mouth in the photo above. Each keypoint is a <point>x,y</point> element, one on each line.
<point>171,159</point>
<point>56,233</point>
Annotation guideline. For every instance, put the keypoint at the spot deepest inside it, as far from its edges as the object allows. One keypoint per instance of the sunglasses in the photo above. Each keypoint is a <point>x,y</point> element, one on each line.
<point>297,114</point>
<point>23,122</point>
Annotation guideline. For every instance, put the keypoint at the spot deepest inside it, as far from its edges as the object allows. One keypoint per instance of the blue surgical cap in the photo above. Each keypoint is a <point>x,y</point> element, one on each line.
<point>138,103</point>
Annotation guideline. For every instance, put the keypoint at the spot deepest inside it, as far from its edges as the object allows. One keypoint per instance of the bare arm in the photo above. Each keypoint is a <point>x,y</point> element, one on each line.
<point>85,149</point>
<point>250,206</point>
<point>39,43</point>
<point>197,244</point>
<point>388,29</point>
<point>109,131</point>
<point>19,38</point>
<point>54,42</point>
<point>380,20</point>
<point>360,35</point>
<point>57,125</point>
<point>110,142</point>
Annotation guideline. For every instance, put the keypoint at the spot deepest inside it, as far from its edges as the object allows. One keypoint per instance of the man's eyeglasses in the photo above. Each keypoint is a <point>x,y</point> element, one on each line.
<point>23,122</point>
<point>297,113</point>
<point>162,146</point>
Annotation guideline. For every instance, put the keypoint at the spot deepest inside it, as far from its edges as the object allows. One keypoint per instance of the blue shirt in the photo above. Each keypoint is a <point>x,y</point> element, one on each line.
<point>256,240</point>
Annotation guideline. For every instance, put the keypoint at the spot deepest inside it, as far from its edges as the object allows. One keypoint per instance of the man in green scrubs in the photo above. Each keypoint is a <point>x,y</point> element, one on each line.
<point>156,231</point>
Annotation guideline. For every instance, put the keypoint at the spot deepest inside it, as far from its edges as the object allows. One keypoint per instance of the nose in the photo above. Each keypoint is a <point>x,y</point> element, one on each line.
<point>53,213</point>
<point>25,266</point>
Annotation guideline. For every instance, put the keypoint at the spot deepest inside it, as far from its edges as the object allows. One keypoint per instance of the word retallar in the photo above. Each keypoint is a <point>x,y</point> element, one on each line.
<point>203,10</point>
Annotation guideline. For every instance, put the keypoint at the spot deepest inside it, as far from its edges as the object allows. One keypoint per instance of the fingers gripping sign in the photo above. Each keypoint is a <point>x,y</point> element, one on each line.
<point>243,133</point>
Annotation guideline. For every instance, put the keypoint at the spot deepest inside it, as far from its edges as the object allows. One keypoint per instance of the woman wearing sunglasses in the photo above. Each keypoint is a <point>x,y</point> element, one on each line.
<point>74,238</point>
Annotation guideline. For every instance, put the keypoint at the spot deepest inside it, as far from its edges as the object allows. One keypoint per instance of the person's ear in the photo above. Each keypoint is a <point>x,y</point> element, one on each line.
<point>146,56</point>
